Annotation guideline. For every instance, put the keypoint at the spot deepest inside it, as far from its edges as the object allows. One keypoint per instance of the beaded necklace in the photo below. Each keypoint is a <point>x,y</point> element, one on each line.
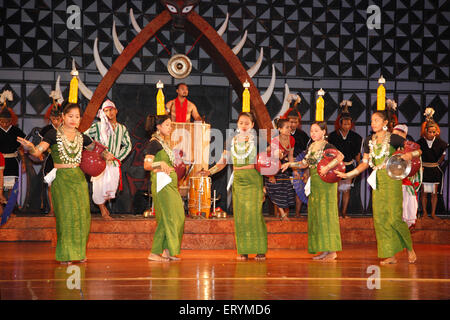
<point>315,153</point>
<point>69,151</point>
<point>383,153</point>
<point>165,146</point>
<point>242,152</point>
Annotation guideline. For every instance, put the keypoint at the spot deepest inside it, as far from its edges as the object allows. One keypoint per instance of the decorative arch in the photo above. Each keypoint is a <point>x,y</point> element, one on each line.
<point>210,41</point>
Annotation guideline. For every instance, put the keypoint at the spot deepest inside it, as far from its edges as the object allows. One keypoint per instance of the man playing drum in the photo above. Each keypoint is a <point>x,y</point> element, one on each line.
<point>180,108</point>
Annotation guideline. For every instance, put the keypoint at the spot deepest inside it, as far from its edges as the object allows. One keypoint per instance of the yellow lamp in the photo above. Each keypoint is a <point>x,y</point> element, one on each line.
<point>246,97</point>
<point>160,106</point>
<point>320,105</point>
<point>381,95</point>
<point>73,91</point>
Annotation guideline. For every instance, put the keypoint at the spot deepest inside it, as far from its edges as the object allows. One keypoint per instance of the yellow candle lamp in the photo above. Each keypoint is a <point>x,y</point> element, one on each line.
<point>381,95</point>
<point>160,106</point>
<point>320,105</point>
<point>246,97</point>
<point>73,91</point>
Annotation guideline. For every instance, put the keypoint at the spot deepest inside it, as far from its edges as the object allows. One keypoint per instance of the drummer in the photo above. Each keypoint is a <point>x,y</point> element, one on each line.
<point>180,108</point>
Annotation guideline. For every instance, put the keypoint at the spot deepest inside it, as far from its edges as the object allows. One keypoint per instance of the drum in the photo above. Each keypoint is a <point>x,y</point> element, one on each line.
<point>199,196</point>
<point>192,139</point>
<point>328,156</point>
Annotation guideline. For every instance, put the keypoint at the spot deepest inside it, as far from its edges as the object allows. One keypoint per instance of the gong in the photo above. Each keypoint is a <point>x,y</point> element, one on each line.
<point>179,66</point>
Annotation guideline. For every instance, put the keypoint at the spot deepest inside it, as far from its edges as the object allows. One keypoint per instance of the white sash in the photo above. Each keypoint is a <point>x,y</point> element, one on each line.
<point>49,177</point>
<point>372,179</point>
<point>308,187</point>
<point>162,179</point>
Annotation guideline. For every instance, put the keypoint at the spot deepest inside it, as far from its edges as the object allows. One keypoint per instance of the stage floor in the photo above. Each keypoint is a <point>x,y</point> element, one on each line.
<point>28,271</point>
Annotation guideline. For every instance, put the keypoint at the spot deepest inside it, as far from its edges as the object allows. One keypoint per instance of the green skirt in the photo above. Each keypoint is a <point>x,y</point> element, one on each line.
<point>169,211</point>
<point>250,227</point>
<point>324,232</point>
<point>70,197</point>
<point>391,231</point>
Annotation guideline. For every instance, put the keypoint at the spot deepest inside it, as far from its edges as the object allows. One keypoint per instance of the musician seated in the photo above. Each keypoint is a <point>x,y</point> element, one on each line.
<point>180,108</point>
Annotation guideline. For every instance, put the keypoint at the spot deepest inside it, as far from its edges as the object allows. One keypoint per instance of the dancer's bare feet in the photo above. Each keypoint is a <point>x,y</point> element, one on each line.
<point>412,256</point>
<point>260,257</point>
<point>66,262</point>
<point>320,256</point>
<point>331,256</point>
<point>390,260</point>
<point>166,254</point>
<point>242,257</point>
<point>155,257</point>
<point>84,260</point>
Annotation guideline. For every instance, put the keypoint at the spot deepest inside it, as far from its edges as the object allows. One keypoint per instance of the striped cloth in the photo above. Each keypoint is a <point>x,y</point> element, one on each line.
<point>119,143</point>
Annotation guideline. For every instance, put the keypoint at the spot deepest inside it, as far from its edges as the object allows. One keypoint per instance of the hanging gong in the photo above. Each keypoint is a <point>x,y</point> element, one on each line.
<point>179,66</point>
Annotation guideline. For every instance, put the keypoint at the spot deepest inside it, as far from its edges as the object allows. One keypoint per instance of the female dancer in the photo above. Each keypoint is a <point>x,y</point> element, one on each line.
<point>249,224</point>
<point>70,195</point>
<point>323,216</point>
<point>169,208</point>
<point>391,231</point>
<point>279,187</point>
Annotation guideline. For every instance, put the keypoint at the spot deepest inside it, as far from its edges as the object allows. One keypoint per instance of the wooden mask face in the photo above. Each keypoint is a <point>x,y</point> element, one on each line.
<point>179,9</point>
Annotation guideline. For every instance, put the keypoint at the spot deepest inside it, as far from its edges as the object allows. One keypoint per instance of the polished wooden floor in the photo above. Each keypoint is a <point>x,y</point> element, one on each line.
<point>28,272</point>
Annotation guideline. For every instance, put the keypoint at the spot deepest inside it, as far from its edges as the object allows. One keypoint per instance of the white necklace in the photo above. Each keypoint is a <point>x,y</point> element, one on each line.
<point>313,157</point>
<point>383,153</point>
<point>166,147</point>
<point>242,152</point>
<point>69,152</point>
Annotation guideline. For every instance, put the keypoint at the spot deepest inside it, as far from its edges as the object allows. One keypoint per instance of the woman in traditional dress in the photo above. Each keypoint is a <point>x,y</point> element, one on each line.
<point>301,144</point>
<point>279,187</point>
<point>324,233</point>
<point>391,231</point>
<point>70,195</point>
<point>433,153</point>
<point>249,224</point>
<point>169,208</point>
